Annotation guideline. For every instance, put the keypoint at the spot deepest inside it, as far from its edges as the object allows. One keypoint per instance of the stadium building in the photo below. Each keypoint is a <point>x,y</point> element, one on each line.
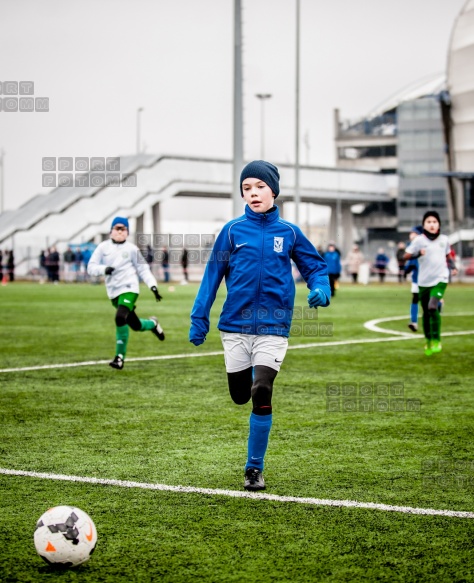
<point>425,135</point>
<point>413,152</point>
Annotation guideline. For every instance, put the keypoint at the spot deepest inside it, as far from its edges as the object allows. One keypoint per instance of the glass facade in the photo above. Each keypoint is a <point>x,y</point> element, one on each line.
<point>421,150</point>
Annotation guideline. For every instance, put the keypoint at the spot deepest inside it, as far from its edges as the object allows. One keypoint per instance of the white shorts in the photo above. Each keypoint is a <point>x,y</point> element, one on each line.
<point>414,288</point>
<point>242,351</point>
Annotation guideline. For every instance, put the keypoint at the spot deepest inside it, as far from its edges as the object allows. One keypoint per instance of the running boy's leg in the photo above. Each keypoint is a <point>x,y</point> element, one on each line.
<point>240,385</point>
<point>424,295</point>
<point>265,353</point>
<point>436,294</point>
<point>413,325</point>
<point>139,324</point>
<point>430,297</point>
<point>123,303</point>
<point>126,318</point>
<point>261,417</point>
<point>268,353</point>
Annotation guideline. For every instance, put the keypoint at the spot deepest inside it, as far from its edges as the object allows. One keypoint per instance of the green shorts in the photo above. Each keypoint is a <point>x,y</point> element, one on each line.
<point>436,291</point>
<point>127,299</point>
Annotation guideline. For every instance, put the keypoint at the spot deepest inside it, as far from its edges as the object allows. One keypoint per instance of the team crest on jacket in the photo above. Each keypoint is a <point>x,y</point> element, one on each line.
<point>278,244</point>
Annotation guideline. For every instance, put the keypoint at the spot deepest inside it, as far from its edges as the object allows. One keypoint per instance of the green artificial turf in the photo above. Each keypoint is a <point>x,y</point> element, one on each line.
<point>172,422</point>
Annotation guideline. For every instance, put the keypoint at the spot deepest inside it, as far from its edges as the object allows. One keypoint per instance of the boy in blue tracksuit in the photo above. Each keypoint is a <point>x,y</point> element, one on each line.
<point>254,254</point>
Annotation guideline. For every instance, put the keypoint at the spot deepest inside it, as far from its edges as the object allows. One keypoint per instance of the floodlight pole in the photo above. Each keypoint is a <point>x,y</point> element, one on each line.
<point>238,145</point>
<point>139,110</point>
<point>263,97</point>
<point>297,117</point>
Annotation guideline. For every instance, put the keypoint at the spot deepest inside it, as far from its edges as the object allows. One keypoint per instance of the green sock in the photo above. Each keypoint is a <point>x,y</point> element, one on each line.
<point>147,325</point>
<point>435,322</point>
<point>121,340</point>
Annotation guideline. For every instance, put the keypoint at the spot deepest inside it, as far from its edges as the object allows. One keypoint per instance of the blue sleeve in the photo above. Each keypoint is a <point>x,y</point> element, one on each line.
<point>310,264</point>
<point>216,268</point>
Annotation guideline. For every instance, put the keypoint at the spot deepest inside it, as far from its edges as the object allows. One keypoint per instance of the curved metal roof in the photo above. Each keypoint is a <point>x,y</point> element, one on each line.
<point>430,85</point>
<point>461,87</point>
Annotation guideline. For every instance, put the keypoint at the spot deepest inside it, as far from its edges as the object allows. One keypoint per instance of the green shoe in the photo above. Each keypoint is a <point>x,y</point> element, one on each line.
<point>428,350</point>
<point>436,346</point>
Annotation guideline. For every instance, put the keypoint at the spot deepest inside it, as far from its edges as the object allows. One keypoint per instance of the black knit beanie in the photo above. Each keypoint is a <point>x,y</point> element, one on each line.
<point>431,214</point>
<point>263,171</point>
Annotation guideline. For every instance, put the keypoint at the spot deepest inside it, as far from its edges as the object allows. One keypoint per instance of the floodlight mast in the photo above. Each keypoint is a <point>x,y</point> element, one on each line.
<point>263,97</point>
<point>139,146</point>
<point>238,145</point>
<point>297,117</point>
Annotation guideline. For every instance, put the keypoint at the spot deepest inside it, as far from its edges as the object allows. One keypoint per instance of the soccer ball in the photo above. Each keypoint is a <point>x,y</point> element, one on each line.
<point>65,536</point>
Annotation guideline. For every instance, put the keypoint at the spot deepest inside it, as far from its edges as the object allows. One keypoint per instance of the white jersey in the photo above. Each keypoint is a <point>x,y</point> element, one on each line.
<point>128,263</point>
<point>433,268</point>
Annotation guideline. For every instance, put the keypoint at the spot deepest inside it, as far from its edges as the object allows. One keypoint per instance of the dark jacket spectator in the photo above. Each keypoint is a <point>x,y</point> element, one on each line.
<point>333,260</point>
<point>53,264</point>
<point>401,261</point>
<point>381,263</point>
<point>165,264</point>
<point>11,265</point>
<point>69,260</point>
<point>184,264</point>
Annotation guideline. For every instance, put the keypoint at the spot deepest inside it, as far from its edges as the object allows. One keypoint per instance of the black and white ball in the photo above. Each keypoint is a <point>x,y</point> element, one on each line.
<point>65,536</point>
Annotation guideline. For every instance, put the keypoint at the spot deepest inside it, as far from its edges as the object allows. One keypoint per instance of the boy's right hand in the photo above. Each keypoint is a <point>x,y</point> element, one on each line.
<point>317,298</point>
<point>196,336</point>
<point>109,270</point>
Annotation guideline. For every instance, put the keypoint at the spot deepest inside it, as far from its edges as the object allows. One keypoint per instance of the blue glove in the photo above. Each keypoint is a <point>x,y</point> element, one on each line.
<point>317,298</point>
<point>196,336</point>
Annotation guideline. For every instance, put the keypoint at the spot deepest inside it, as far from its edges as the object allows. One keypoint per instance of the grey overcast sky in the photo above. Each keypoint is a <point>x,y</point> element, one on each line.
<point>99,60</point>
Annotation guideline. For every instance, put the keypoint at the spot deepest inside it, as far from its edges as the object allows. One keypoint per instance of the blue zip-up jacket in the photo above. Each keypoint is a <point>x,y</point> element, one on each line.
<point>254,253</point>
<point>333,261</point>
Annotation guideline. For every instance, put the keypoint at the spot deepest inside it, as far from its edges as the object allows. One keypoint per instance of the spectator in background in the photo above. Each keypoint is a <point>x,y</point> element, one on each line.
<point>165,264</point>
<point>338,251</point>
<point>184,265</point>
<point>46,264</point>
<point>1,264</point>
<point>149,255</point>
<point>401,262</point>
<point>451,266</point>
<point>69,259</point>
<point>381,263</point>
<point>4,267</point>
<point>354,260</point>
<point>78,264</point>
<point>11,265</point>
<point>86,256</point>
<point>53,263</point>
<point>333,261</point>
<point>42,267</point>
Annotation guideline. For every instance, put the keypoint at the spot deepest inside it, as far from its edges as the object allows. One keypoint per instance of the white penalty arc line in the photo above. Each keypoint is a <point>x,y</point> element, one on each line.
<point>240,494</point>
<point>401,336</point>
<point>373,327</point>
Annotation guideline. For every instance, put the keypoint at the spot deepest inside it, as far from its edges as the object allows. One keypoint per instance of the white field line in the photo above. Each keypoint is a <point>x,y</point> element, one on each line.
<point>240,494</point>
<point>372,324</point>
<point>401,336</point>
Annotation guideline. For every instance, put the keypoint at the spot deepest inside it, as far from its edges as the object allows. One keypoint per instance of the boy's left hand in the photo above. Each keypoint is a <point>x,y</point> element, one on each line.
<point>154,289</point>
<point>317,298</point>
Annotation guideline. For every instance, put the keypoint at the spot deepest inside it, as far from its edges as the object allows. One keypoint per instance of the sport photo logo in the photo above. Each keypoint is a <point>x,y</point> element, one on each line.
<point>369,397</point>
<point>96,172</point>
<point>26,102</point>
